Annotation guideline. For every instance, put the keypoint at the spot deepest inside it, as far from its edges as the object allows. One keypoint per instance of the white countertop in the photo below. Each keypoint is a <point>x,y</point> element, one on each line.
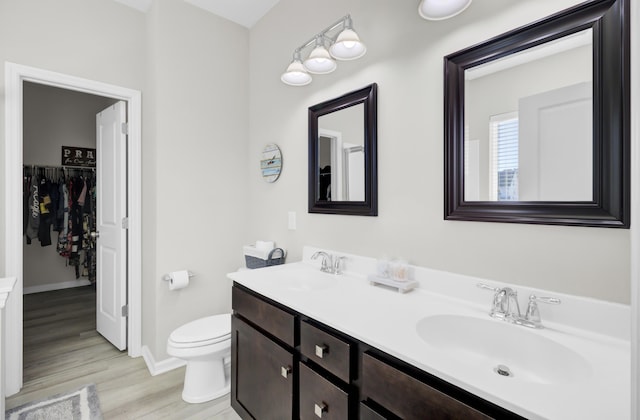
<point>386,319</point>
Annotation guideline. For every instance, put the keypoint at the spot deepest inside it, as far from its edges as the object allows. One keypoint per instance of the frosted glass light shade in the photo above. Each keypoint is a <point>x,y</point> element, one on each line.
<point>319,61</point>
<point>442,9</point>
<point>348,46</point>
<point>296,74</point>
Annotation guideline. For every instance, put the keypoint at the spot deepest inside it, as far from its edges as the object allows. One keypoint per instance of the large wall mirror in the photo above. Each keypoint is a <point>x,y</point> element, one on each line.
<point>537,122</point>
<point>343,154</point>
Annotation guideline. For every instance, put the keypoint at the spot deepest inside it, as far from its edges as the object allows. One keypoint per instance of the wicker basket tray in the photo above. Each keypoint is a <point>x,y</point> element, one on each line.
<point>275,257</point>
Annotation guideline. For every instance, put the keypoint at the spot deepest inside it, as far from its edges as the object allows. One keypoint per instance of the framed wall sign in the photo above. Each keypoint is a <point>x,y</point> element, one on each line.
<point>78,156</point>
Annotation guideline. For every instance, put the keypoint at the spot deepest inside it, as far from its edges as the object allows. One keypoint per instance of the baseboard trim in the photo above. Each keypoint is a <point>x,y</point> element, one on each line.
<point>55,286</point>
<point>157,368</point>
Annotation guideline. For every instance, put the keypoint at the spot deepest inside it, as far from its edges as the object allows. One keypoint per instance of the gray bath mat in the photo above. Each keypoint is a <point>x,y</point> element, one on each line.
<point>80,404</point>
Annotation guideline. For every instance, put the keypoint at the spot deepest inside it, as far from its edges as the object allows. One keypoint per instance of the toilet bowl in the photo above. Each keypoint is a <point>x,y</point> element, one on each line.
<point>205,344</point>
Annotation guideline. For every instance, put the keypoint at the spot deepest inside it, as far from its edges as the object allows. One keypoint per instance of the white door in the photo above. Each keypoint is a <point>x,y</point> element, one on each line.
<point>556,134</point>
<point>111,234</point>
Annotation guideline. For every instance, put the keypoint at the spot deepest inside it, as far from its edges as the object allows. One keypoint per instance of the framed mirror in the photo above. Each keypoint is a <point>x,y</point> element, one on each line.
<point>343,154</point>
<point>537,122</point>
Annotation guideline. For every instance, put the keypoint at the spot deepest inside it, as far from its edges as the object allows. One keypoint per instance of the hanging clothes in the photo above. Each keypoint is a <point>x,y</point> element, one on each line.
<point>33,209</point>
<point>44,199</point>
<point>64,201</point>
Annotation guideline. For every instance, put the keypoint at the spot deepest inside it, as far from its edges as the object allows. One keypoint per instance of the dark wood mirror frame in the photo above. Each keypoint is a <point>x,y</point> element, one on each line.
<point>610,207</point>
<point>369,207</point>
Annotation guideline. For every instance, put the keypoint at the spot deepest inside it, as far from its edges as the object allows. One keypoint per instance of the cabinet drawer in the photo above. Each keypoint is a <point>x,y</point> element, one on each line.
<point>368,413</point>
<point>408,397</point>
<point>327,350</point>
<point>270,318</point>
<point>319,398</point>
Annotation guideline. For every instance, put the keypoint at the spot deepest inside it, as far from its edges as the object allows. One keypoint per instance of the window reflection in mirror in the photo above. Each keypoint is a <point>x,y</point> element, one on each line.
<point>528,124</point>
<point>341,153</point>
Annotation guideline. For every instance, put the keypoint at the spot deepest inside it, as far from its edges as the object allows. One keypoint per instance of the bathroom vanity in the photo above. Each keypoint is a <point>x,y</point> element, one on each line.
<point>307,344</point>
<point>285,363</point>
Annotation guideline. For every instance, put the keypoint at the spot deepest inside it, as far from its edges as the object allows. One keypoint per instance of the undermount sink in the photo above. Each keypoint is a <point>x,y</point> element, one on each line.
<point>500,348</point>
<point>304,280</point>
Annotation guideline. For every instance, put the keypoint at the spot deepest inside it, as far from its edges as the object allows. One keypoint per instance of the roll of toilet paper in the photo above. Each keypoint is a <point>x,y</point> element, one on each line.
<point>178,279</point>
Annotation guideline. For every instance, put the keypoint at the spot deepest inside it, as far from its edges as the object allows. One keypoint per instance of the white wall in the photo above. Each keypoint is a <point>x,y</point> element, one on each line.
<point>194,164</point>
<point>54,118</point>
<point>191,67</point>
<point>405,57</point>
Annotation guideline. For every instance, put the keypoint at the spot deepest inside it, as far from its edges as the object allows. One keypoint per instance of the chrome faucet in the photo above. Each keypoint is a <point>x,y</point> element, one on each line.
<point>330,264</point>
<point>327,261</point>
<point>505,306</point>
<point>505,303</point>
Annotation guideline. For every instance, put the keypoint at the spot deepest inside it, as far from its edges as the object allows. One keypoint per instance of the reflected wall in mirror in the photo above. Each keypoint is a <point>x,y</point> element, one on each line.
<point>343,154</point>
<point>537,122</point>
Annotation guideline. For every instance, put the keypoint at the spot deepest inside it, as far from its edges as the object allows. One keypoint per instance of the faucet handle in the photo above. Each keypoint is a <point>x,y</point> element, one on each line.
<point>337,264</point>
<point>550,300</point>
<point>533,313</point>
<point>487,287</point>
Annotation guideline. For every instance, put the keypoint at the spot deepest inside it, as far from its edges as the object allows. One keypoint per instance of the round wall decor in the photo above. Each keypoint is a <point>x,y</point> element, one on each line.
<point>271,162</point>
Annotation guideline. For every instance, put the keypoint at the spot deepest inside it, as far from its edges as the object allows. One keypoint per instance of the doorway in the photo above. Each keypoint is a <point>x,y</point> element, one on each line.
<point>74,237</point>
<point>15,75</point>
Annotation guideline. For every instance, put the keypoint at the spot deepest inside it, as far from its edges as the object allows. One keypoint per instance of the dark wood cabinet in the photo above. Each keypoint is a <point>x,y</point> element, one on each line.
<point>286,365</point>
<point>409,398</point>
<point>321,398</point>
<point>263,377</point>
<point>325,349</point>
<point>273,320</point>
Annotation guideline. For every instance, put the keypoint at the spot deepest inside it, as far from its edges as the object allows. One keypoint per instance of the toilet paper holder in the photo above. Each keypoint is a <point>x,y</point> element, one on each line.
<point>167,277</point>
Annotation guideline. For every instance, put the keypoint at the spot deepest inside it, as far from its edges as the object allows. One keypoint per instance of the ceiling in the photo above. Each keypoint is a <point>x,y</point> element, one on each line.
<point>242,12</point>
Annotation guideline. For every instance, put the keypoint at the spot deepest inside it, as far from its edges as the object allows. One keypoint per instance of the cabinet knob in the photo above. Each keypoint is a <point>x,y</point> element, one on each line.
<point>320,408</point>
<point>285,371</point>
<point>321,350</point>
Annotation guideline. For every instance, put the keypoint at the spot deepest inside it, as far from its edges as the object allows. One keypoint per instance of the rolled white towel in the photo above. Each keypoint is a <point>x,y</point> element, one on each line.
<point>265,245</point>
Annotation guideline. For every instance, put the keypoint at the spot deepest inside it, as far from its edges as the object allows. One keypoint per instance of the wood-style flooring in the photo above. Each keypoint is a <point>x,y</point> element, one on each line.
<point>63,351</point>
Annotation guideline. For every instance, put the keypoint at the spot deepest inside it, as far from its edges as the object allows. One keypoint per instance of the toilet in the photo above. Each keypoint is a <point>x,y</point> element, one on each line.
<point>205,344</point>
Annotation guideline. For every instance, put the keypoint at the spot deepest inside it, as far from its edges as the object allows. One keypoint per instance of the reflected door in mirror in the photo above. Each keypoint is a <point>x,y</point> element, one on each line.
<point>529,125</point>
<point>341,155</point>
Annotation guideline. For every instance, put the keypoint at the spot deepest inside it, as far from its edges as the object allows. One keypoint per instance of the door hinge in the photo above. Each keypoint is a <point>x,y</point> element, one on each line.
<point>125,311</point>
<point>125,128</point>
<point>125,223</point>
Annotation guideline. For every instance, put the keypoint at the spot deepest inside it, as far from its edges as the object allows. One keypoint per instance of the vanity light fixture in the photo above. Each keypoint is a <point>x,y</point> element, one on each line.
<point>344,44</point>
<point>442,9</point>
<point>320,61</point>
<point>296,74</point>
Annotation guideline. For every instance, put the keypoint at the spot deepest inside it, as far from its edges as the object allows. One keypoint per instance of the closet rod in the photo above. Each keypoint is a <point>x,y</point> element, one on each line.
<point>88,168</point>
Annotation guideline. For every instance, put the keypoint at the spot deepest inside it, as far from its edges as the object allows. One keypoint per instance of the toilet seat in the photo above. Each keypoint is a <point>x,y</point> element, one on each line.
<point>202,332</point>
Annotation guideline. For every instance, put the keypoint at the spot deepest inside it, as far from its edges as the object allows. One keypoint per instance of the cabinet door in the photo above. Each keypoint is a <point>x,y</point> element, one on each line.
<point>262,375</point>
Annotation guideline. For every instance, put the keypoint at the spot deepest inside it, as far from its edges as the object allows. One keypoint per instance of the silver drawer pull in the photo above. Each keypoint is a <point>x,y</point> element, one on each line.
<point>319,409</point>
<point>285,371</point>
<point>321,350</point>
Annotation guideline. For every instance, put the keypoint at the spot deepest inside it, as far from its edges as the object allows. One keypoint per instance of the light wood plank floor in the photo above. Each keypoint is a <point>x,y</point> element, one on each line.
<point>63,351</point>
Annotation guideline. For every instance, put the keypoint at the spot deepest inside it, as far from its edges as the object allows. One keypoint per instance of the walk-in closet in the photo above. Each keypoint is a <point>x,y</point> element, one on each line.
<point>59,144</point>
